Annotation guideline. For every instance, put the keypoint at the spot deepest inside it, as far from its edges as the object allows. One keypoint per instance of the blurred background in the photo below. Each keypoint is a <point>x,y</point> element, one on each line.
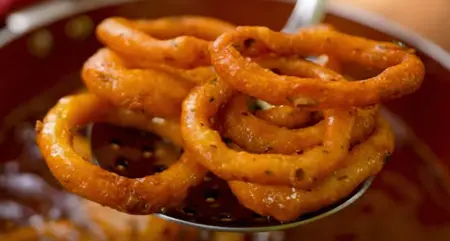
<point>427,17</point>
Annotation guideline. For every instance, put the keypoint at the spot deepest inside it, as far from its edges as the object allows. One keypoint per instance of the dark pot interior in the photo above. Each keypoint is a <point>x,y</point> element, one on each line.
<point>409,199</point>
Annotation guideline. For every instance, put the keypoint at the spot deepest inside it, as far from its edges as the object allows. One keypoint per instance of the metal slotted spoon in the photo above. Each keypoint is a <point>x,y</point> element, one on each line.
<point>211,205</point>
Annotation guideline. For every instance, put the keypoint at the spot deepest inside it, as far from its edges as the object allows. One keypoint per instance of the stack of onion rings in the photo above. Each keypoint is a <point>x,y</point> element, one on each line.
<point>319,139</point>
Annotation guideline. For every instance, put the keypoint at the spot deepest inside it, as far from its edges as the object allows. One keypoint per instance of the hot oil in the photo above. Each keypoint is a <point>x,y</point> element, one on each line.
<point>407,201</point>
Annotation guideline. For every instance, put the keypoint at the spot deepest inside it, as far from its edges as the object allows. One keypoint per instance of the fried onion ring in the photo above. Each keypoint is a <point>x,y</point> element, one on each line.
<point>136,196</point>
<point>186,47</point>
<point>106,75</point>
<point>318,137</point>
<point>304,170</point>
<point>286,203</point>
<point>286,116</point>
<point>260,136</point>
<point>402,74</point>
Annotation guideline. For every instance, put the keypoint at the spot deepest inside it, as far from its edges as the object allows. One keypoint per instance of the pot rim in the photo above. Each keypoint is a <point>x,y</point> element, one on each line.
<point>346,11</point>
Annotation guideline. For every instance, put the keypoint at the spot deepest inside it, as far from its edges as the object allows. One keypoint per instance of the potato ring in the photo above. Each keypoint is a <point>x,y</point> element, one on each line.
<point>137,196</point>
<point>303,171</point>
<point>260,136</point>
<point>365,160</point>
<point>106,75</point>
<point>187,47</point>
<point>403,72</point>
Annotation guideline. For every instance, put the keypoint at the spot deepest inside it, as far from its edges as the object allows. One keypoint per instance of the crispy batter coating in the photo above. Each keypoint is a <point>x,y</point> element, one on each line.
<point>402,73</point>
<point>297,170</point>
<point>137,196</point>
<point>106,75</point>
<point>175,41</point>
<point>261,136</point>
<point>321,137</point>
<point>286,203</point>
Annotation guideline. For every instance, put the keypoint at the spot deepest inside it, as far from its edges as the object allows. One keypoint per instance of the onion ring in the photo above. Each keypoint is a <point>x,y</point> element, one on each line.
<point>304,170</point>
<point>286,116</point>
<point>106,75</point>
<point>259,136</point>
<point>403,72</point>
<point>187,47</point>
<point>137,196</point>
<point>364,160</point>
<point>321,140</point>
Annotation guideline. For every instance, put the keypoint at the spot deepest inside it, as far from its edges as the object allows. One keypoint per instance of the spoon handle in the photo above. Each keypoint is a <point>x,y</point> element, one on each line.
<point>305,13</point>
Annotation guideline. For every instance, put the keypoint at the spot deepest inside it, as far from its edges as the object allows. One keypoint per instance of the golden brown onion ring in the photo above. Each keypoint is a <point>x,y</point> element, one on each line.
<point>402,74</point>
<point>286,116</point>
<point>286,203</point>
<point>157,93</point>
<point>183,45</point>
<point>304,170</point>
<point>137,196</point>
<point>259,136</point>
